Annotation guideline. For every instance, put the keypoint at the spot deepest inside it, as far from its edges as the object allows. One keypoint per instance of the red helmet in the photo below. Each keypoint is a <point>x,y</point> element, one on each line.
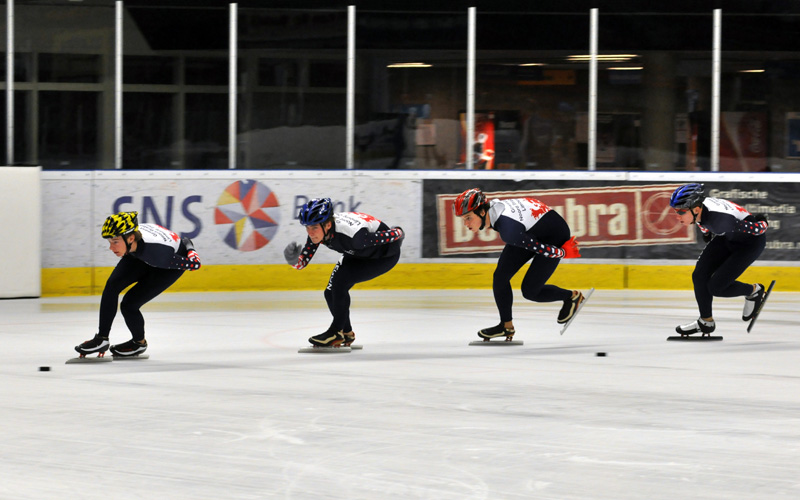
<point>469,201</point>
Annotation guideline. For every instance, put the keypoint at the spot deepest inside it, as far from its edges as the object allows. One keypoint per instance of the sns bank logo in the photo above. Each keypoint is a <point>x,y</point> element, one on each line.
<point>247,215</point>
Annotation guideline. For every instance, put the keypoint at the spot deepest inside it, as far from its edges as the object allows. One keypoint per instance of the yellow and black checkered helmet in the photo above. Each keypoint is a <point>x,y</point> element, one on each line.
<point>120,224</point>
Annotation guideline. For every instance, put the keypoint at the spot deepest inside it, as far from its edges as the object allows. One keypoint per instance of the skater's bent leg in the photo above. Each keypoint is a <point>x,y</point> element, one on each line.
<point>510,262</point>
<point>148,288</point>
<point>328,291</point>
<point>712,257</point>
<point>534,287</point>
<point>351,272</point>
<point>724,281</point>
<point>127,272</point>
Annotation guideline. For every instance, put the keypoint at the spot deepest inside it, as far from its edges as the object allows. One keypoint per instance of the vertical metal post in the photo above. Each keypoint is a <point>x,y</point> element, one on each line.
<point>118,84</point>
<point>350,119</point>
<point>10,82</point>
<point>232,83</point>
<point>470,142</point>
<point>593,35</point>
<point>715,89</point>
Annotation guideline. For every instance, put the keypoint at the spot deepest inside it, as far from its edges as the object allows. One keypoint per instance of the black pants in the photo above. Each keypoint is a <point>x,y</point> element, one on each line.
<point>150,282</point>
<point>717,268</point>
<point>345,275</point>
<point>551,229</point>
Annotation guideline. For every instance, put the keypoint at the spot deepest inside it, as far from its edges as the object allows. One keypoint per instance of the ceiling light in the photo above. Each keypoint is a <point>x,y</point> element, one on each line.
<point>603,57</point>
<point>409,65</point>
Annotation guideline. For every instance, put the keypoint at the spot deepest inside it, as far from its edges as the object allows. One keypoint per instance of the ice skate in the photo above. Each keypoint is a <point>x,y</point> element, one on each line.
<point>98,344</point>
<point>487,334</point>
<point>752,302</point>
<point>581,300</point>
<point>497,331</point>
<point>704,328</point>
<point>330,341</point>
<point>570,307</point>
<point>131,348</point>
<point>329,338</point>
<point>348,339</point>
<point>757,310</point>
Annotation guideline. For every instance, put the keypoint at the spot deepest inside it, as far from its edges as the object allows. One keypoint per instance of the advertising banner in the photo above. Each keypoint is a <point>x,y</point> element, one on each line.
<point>242,218</point>
<point>743,142</point>
<point>610,219</point>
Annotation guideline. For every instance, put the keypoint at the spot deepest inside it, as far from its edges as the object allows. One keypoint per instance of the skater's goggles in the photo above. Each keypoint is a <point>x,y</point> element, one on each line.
<point>681,211</point>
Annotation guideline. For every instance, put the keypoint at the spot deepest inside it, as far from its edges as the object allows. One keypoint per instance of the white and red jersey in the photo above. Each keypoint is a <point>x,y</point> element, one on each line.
<point>723,217</point>
<point>514,220</point>
<point>526,211</point>
<point>160,247</point>
<point>359,235</point>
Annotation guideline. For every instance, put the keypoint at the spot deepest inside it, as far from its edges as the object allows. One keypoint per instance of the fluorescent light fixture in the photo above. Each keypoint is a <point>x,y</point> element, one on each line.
<point>627,68</point>
<point>752,71</point>
<point>602,57</point>
<point>532,64</point>
<point>409,65</point>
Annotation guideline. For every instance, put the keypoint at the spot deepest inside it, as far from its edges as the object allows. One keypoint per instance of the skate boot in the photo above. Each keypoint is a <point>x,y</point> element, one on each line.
<point>697,326</point>
<point>570,306</point>
<point>97,345</point>
<point>129,348</point>
<point>348,339</point>
<point>497,331</point>
<point>330,338</point>
<point>752,302</point>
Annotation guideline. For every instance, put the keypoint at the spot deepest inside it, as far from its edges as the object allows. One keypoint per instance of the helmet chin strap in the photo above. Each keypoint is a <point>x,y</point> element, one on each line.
<point>127,243</point>
<point>694,216</point>
<point>483,219</point>
<point>326,235</point>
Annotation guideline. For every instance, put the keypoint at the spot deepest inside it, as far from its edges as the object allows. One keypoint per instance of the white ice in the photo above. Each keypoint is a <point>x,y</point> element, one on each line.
<point>226,408</point>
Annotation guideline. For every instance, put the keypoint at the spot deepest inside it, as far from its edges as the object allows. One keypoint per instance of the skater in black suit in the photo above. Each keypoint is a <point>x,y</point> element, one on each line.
<point>735,239</point>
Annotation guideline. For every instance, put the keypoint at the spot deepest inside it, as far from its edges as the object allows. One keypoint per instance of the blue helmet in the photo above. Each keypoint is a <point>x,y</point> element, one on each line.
<point>316,211</point>
<point>687,197</point>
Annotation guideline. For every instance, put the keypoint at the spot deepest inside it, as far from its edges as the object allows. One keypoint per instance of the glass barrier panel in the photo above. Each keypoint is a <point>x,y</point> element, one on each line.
<point>654,91</point>
<point>292,88</point>
<point>175,86</point>
<point>411,83</point>
<point>63,67</point>
<point>760,101</point>
<point>531,91</point>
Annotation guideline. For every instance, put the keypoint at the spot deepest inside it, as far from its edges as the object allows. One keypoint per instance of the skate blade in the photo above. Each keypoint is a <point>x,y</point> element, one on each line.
<point>324,350</point>
<point>497,342</point>
<point>89,359</point>
<point>580,306</point>
<point>694,338</point>
<point>761,306</point>
<point>131,358</point>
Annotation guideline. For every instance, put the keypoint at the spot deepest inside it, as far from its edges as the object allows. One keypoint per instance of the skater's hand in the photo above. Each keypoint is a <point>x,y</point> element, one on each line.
<point>292,252</point>
<point>570,248</point>
<point>194,259</point>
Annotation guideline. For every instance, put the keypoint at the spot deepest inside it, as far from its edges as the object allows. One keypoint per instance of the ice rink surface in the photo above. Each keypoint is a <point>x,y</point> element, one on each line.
<point>226,408</point>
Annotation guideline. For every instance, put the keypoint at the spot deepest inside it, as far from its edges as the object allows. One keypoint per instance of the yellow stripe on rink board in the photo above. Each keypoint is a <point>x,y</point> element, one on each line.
<point>272,277</point>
